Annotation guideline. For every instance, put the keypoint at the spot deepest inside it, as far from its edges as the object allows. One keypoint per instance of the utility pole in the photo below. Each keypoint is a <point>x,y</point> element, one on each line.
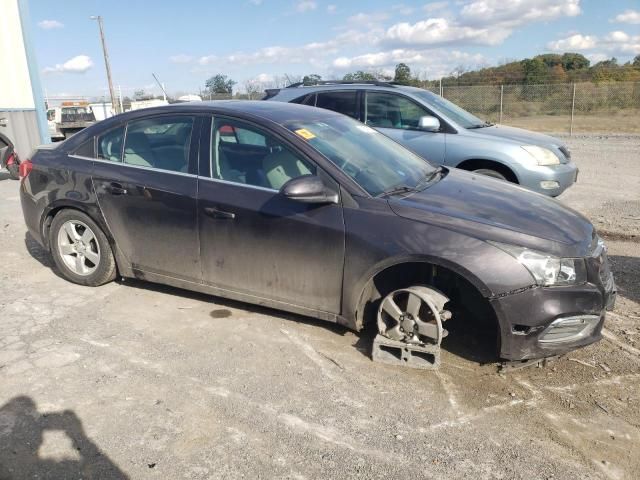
<point>164,92</point>
<point>114,104</point>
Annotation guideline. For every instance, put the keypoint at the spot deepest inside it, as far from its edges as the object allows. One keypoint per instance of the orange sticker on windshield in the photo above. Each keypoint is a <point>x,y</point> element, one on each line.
<point>306,134</point>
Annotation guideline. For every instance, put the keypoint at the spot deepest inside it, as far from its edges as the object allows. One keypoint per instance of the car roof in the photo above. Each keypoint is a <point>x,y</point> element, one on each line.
<point>291,93</point>
<point>277,112</point>
<point>256,110</point>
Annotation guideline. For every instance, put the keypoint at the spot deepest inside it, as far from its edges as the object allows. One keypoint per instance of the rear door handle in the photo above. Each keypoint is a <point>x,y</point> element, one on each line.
<point>116,189</point>
<point>213,212</point>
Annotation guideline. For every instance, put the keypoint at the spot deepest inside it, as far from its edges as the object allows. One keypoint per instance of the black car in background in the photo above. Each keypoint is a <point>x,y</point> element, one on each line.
<point>309,211</point>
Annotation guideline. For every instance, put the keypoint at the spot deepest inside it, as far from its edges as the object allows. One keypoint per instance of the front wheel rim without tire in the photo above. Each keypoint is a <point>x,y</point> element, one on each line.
<point>413,315</point>
<point>78,247</point>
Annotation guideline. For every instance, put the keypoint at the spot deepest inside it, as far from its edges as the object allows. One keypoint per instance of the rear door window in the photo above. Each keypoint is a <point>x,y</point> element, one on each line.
<point>341,102</point>
<point>160,142</point>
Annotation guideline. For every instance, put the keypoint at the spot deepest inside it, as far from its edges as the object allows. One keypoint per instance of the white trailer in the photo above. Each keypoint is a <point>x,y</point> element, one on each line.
<point>23,122</point>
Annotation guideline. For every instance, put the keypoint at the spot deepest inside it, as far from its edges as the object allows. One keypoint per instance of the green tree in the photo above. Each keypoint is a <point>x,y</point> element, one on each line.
<point>311,79</point>
<point>403,74</point>
<point>550,59</point>
<point>535,71</point>
<point>359,76</point>
<point>219,84</point>
<point>636,61</point>
<point>574,61</point>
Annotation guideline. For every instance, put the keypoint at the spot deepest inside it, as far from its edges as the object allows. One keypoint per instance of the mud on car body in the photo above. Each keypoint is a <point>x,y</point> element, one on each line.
<point>309,211</point>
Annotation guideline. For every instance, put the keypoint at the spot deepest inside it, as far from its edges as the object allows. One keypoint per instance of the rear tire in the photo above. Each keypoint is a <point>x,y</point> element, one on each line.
<point>491,173</point>
<point>80,249</point>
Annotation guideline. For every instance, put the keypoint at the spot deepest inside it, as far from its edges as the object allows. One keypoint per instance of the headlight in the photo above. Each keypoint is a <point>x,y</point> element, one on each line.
<point>542,155</point>
<point>547,269</point>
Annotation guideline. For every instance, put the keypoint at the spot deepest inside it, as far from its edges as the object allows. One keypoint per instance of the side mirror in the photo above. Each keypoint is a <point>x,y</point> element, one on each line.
<point>308,189</point>
<point>429,124</point>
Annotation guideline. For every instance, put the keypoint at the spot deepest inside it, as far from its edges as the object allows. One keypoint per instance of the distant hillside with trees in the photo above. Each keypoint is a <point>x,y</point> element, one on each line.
<point>548,68</point>
<point>541,69</point>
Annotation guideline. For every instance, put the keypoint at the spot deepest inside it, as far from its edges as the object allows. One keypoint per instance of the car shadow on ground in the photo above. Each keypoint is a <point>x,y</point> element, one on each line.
<point>24,430</point>
<point>469,342</point>
<point>626,271</point>
<point>39,253</point>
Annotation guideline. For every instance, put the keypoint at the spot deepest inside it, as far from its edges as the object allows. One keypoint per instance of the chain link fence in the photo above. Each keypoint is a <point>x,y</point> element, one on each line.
<point>571,108</point>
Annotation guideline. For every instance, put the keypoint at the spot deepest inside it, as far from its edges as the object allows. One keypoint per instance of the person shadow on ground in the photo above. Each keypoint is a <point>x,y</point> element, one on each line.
<point>22,430</point>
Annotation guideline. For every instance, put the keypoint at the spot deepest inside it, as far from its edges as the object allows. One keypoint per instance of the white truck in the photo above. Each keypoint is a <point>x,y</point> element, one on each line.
<point>69,118</point>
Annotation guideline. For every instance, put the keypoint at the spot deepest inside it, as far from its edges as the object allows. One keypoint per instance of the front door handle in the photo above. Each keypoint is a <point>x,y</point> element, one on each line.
<point>116,189</point>
<point>214,212</point>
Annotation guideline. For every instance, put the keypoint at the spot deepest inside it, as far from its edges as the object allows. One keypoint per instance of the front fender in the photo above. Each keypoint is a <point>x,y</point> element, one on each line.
<point>397,240</point>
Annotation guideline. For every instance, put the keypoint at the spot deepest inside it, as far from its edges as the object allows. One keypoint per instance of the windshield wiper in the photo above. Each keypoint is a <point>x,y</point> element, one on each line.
<point>396,190</point>
<point>481,125</point>
<point>430,177</point>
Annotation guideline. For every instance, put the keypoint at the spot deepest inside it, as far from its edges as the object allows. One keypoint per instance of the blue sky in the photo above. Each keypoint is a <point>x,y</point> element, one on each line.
<point>259,41</point>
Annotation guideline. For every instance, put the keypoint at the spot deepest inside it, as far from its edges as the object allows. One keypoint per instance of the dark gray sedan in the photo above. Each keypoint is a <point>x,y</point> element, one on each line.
<point>309,211</point>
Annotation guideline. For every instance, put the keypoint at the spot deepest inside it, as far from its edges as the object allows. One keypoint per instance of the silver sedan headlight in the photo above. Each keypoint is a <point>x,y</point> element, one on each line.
<point>547,269</point>
<point>543,156</point>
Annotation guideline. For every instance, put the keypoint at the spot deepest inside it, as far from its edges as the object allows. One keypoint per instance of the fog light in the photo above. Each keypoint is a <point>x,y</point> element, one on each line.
<point>570,329</point>
<point>549,184</point>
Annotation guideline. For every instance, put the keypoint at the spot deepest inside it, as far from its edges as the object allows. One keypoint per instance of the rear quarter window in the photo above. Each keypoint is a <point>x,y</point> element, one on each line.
<point>86,149</point>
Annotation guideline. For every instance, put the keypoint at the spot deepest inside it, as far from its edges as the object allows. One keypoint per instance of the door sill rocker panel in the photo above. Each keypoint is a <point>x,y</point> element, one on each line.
<point>238,296</point>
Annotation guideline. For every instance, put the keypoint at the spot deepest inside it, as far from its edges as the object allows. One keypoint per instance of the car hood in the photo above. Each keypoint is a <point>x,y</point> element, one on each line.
<point>519,135</point>
<point>495,210</point>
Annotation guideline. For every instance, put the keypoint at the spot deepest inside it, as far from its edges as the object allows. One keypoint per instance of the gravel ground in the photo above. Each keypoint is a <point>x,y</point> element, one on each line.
<point>134,380</point>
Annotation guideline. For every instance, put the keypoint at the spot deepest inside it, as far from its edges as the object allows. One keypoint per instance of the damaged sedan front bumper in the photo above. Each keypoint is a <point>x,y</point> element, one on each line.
<point>541,322</point>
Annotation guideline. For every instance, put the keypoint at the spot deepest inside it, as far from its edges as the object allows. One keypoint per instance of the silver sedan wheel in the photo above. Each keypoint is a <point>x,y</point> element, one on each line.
<point>78,247</point>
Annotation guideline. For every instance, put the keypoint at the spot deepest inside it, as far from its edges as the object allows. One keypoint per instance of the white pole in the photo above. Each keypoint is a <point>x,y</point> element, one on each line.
<point>573,106</point>
<point>501,95</point>
<point>440,86</point>
<point>119,98</point>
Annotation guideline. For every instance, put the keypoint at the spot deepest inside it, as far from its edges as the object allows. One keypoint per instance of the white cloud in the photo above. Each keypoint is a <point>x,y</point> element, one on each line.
<point>50,24</point>
<point>616,42</point>
<point>573,42</point>
<point>78,64</point>
<point>207,59</point>
<point>480,22</point>
<point>256,2</point>
<point>517,12</point>
<point>435,6</point>
<point>331,9</point>
<point>628,16</point>
<point>263,78</point>
<point>181,58</point>
<point>306,6</point>
<point>440,31</point>
<point>403,9</point>
<point>621,43</point>
<point>368,19</point>
<point>597,57</point>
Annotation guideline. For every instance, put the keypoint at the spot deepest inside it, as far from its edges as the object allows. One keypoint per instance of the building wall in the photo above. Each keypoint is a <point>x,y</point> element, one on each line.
<point>20,94</point>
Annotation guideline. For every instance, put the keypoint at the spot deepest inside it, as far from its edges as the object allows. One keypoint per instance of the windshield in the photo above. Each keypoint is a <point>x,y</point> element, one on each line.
<point>451,110</point>
<point>374,161</point>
